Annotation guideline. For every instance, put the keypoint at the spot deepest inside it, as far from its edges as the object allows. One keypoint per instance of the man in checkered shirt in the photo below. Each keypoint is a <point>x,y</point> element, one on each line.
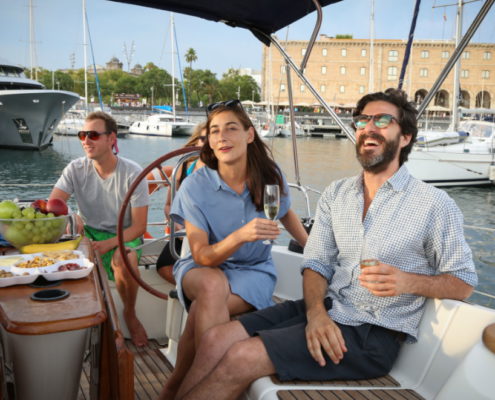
<point>351,321</point>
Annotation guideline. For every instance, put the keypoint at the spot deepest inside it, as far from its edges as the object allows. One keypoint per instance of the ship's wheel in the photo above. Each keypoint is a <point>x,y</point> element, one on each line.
<point>120,224</point>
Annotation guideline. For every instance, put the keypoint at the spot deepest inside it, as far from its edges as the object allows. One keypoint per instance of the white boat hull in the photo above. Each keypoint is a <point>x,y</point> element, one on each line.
<point>451,166</point>
<point>165,129</point>
<point>28,118</point>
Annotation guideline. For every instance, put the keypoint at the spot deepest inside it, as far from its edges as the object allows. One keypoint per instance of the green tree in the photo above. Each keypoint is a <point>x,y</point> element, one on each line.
<point>156,83</point>
<point>205,88</point>
<point>236,86</point>
<point>190,57</point>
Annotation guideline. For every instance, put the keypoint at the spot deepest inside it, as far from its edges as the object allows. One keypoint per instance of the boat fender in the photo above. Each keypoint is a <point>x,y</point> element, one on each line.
<point>158,174</point>
<point>491,174</point>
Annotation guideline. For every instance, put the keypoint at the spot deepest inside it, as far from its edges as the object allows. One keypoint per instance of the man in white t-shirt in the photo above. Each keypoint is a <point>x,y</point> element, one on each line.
<point>99,183</point>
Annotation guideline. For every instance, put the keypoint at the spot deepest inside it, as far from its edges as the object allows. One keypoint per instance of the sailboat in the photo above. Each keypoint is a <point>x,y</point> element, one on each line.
<point>464,155</point>
<point>166,122</point>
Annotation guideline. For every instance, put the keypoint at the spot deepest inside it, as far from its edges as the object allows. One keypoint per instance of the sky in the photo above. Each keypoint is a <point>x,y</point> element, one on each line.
<point>113,26</point>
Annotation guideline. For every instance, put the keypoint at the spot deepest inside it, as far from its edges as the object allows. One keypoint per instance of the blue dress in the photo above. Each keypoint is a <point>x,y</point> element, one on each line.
<point>208,203</point>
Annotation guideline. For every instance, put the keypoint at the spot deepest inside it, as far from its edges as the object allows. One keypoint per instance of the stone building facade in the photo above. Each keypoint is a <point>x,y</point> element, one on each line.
<point>340,70</point>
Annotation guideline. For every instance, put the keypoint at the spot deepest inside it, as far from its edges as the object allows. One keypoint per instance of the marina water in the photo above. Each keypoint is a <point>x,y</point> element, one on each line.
<point>31,175</point>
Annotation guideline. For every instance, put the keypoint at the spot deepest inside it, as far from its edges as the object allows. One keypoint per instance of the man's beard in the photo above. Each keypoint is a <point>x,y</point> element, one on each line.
<point>376,163</point>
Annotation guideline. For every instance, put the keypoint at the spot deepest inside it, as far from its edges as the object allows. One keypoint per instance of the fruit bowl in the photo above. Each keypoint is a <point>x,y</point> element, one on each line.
<point>23,231</point>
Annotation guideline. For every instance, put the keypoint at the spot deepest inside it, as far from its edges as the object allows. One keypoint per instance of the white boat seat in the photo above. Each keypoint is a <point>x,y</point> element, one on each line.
<point>448,331</point>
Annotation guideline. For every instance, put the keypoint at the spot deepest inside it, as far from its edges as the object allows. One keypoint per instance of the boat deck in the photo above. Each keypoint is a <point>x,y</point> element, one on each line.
<point>152,369</point>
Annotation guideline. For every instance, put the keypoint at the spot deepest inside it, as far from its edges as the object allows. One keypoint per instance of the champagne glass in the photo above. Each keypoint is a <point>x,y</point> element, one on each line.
<point>369,258</point>
<point>271,203</point>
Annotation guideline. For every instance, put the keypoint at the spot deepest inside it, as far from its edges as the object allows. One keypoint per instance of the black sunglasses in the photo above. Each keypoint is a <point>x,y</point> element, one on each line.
<point>202,138</point>
<point>93,135</point>
<point>228,103</point>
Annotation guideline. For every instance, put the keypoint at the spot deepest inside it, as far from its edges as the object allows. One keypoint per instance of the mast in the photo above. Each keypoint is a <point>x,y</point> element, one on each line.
<point>85,45</point>
<point>32,50</point>
<point>455,95</point>
<point>371,84</point>
<point>172,41</point>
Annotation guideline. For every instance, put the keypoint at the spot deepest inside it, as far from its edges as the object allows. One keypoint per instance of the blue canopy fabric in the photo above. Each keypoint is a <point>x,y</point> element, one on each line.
<point>267,16</point>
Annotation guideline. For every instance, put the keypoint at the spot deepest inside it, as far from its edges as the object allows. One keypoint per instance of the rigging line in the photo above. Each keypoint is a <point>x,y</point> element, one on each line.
<point>94,64</point>
<point>180,72</point>
<point>409,43</point>
<point>482,228</point>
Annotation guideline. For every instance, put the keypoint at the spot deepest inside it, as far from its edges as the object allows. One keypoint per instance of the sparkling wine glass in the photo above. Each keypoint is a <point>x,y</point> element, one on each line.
<point>369,258</point>
<point>271,203</point>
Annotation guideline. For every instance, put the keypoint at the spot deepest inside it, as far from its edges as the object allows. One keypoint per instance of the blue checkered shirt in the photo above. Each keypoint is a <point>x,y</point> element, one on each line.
<point>410,224</point>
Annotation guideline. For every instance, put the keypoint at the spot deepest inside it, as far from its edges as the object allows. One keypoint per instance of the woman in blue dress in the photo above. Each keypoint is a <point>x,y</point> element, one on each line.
<point>229,270</point>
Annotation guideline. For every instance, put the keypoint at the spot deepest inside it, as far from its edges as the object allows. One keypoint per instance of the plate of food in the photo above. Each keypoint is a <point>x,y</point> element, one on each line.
<point>68,269</point>
<point>9,278</point>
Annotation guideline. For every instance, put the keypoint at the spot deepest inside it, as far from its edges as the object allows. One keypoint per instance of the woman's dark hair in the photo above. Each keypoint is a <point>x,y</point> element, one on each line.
<point>407,115</point>
<point>261,169</point>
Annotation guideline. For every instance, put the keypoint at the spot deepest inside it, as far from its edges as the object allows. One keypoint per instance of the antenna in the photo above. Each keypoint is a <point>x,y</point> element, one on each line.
<point>72,60</point>
<point>128,54</point>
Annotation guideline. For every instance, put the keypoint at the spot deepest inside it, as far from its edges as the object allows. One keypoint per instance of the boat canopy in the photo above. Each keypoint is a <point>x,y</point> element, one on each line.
<point>267,16</point>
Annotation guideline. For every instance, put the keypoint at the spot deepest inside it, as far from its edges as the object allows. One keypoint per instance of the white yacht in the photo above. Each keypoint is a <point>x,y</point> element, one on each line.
<point>163,124</point>
<point>469,162</point>
<point>29,113</point>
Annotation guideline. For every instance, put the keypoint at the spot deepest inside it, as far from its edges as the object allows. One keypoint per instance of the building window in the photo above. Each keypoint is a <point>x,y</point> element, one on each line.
<point>465,73</point>
<point>282,87</point>
<point>342,89</point>
<point>302,88</point>
<point>487,55</point>
<point>361,89</point>
<point>362,71</point>
<point>324,52</point>
<point>392,73</point>
<point>342,70</point>
<point>485,74</point>
<point>343,52</point>
<point>393,55</point>
<point>466,55</point>
<point>282,69</point>
<point>322,88</point>
<point>363,52</point>
<point>425,54</point>
<point>303,52</point>
<point>324,70</point>
<point>423,72</point>
<point>445,54</point>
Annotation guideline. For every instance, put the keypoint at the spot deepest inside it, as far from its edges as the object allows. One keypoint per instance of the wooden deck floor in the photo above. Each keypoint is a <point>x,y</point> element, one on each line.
<point>151,370</point>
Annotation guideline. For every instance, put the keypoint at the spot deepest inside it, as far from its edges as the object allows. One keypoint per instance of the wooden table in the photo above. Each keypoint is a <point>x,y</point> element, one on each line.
<point>45,340</point>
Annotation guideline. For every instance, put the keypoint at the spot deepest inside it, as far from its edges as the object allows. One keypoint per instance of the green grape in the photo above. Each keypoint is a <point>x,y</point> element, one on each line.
<point>28,226</point>
<point>50,215</point>
<point>40,215</point>
<point>17,214</point>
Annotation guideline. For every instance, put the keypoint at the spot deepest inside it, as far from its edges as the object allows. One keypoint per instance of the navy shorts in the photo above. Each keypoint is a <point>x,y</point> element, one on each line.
<point>371,349</point>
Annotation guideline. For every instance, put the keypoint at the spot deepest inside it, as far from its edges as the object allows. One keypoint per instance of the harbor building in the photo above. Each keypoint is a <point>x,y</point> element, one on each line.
<point>340,69</point>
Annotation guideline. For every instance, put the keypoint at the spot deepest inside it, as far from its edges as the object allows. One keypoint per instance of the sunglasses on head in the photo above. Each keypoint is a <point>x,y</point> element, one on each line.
<point>93,135</point>
<point>201,138</point>
<point>228,103</point>
<point>379,120</point>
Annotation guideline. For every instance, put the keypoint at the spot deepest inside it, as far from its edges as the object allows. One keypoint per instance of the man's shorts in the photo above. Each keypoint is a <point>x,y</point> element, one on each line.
<point>98,235</point>
<point>371,349</point>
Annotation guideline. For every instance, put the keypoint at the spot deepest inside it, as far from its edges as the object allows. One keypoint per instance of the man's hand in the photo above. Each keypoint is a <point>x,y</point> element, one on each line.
<point>103,246</point>
<point>323,332</point>
<point>385,280</point>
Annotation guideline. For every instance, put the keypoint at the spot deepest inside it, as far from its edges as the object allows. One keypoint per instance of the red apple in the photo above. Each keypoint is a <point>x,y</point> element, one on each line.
<point>39,205</point>
<point>57,207</point>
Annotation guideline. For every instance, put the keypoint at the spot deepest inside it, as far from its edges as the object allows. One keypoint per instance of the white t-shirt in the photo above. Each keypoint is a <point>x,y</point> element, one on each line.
<point>99,199</point>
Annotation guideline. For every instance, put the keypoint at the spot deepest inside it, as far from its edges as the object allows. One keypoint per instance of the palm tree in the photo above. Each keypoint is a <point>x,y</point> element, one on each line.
<point>190,57</point>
